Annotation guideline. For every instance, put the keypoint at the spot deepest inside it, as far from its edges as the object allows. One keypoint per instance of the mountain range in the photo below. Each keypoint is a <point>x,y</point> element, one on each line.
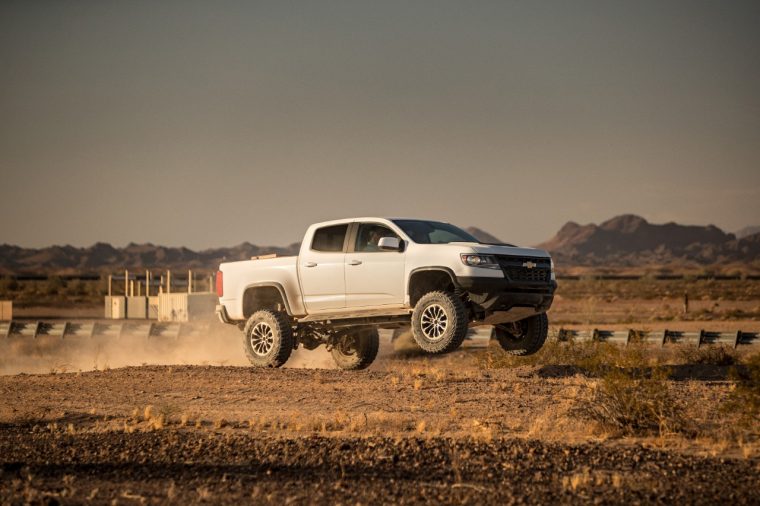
<point>631,241</point>
<point>623,242</point>
<point>102,257</point>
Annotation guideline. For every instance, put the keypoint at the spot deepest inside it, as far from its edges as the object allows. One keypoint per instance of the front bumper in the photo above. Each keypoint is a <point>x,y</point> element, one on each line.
<point>500,294</point>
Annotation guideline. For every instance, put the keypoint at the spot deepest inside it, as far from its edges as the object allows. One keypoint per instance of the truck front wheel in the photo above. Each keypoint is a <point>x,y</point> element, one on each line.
<point>268,338</point>
<point>524,337</point>
<point>356,349</point>
<point>439,322</point>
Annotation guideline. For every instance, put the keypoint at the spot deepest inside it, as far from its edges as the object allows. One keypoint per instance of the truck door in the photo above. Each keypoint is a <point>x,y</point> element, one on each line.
<point>373,277</point>
<point>321,269</point>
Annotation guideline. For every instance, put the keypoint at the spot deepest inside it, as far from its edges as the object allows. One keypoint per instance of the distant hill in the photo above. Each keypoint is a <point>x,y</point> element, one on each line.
<point>102,257</point>
<point>747,231</point>
<point>630,240</point>
<point>623,243</point>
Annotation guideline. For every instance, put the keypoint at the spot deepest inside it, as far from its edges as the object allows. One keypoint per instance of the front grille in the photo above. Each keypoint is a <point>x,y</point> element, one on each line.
<point>529,269</point>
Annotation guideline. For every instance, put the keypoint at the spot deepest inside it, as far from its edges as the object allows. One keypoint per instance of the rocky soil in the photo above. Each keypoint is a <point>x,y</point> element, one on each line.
<point>186,466</point>
<point>412,430</point>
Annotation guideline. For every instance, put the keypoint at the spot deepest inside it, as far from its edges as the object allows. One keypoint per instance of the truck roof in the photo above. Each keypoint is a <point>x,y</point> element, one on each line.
<point>367,218</point>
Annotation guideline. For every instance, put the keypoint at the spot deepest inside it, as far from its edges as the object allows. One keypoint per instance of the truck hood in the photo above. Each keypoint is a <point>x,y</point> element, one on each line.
<point>495,249</point>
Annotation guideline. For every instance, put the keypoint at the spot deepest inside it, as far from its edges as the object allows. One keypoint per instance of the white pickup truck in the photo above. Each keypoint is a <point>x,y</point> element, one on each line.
<point>353,276</point>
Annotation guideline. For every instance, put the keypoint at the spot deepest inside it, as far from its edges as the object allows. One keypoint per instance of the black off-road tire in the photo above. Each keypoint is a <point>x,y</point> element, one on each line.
<point>439,322</point>
<point>357,349</point>
<point>525,337</point>
<point>268,338</point>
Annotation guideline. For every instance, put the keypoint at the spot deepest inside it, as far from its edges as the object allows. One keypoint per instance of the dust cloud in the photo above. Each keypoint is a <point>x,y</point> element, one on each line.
<point>221,346</point>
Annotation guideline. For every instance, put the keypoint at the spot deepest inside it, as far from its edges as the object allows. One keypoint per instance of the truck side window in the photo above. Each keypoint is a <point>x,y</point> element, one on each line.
<point>329,239</point>
<point>369,235</point>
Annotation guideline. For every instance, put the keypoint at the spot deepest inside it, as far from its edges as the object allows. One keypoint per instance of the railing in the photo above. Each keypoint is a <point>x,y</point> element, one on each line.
<point>662,337</point>
<point>99,329</point>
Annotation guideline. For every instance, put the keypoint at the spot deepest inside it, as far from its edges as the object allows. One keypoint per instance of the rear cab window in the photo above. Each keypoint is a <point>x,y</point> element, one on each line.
<point>329,239</point>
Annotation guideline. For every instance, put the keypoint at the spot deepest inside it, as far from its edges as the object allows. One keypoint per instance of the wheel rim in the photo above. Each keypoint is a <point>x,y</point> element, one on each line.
<point>347,346</point>
<point>434,322</point>
<point>262,339</point>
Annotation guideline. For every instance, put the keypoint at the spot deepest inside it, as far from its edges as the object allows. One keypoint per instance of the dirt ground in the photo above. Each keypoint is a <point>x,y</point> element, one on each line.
<point>136,421</point>
<point>411,430</point>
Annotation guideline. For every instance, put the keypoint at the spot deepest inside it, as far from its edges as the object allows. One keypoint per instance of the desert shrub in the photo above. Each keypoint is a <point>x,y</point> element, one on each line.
<point>77,287</point>
<point>634,402</point>
<point>709,355</point>
<point>630,396</point>
<point>744,400</point>
<point>8,285</point>
<point>587,356</point>
<point>54,285</point>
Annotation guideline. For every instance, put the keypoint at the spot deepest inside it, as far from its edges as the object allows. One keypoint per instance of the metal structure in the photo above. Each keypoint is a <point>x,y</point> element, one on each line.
<point>145,296</point>
<point>147,329</point>
<point>186,307</point>
<point>101,329</point>
<point>661,337</point>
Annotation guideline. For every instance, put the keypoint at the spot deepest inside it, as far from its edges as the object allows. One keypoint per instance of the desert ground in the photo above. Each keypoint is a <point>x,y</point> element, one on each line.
<point>137,422</point>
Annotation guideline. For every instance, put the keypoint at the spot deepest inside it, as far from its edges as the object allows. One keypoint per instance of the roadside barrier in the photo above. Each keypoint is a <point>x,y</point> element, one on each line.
<point>115,329</point>
<point>662,337</point>
<point>102,329</point>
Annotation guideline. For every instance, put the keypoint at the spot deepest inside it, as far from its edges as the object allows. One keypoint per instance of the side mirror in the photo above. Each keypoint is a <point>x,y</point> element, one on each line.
<point>389,244</point>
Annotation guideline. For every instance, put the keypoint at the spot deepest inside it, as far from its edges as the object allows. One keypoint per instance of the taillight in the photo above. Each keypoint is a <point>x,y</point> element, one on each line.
<point>219,284</point>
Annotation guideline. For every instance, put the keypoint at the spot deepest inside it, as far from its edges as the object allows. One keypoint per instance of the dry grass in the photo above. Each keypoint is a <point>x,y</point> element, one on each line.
<point>635,404</point>
<point>588,357</point>
<point>709,355</point>
<point>631,395</point>
<point>744,400</point>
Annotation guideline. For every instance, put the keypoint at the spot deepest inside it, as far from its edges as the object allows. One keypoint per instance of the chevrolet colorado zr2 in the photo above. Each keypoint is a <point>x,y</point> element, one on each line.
<point>355,276</point>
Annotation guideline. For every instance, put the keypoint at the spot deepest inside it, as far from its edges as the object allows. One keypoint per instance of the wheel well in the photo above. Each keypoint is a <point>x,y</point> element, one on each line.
<point>423,282</point>
<point>262,297</point>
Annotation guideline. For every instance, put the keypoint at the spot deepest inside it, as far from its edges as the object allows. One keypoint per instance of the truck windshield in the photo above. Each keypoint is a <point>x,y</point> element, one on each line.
<point>433,232</point>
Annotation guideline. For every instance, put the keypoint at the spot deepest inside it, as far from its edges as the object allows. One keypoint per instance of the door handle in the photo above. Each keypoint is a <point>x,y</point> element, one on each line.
<point>310,264</point>
<point>355,262</point>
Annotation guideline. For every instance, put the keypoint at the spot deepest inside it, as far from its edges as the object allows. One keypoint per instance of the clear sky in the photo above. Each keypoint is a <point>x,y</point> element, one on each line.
<point>212,123</point>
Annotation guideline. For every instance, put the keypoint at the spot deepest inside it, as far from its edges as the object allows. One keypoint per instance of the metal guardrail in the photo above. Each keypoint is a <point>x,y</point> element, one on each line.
<point>116,329</point>
<point>98,329</point>
<point>662,337</point>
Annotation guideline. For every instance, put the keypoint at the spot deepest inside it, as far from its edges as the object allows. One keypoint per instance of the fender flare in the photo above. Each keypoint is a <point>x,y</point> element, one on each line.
<point>274,284</point>
<point>440,268</point>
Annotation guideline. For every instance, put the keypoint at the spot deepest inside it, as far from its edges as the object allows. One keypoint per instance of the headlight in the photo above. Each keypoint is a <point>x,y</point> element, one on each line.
<point>485,261</point>
<point>552,264</point>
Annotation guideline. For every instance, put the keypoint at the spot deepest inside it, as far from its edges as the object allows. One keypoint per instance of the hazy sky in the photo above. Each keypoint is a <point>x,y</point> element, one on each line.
<point>212,123</point>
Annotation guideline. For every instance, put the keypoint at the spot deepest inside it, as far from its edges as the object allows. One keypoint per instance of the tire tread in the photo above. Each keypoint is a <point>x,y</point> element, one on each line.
<point>460,322</point>
<point>285,342</point>
<point>538,330</point>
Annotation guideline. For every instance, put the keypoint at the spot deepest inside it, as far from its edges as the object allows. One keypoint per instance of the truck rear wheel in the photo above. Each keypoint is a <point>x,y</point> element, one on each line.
<point>356,349</point>
<point>439,322</point>
<point>524,337</point>
<point>268,338</point>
